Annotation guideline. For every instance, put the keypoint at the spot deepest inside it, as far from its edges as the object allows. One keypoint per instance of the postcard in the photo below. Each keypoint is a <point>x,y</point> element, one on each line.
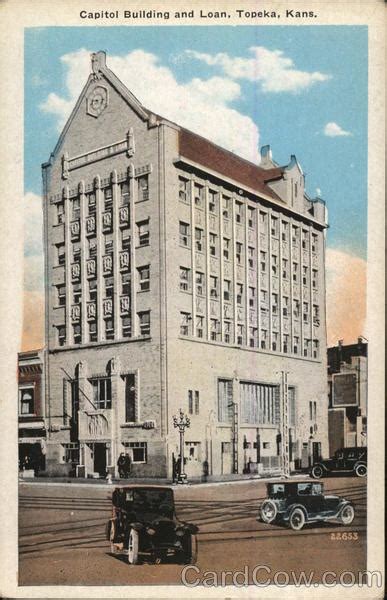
<point>192,299</point>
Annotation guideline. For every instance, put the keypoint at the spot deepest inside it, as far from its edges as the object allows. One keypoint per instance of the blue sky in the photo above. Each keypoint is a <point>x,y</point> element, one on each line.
<point>292,121</point>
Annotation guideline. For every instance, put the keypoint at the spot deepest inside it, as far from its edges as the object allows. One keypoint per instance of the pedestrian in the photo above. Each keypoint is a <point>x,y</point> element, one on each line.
<point>174,468</point>
<point>127,465</point>
<point>121,465</point>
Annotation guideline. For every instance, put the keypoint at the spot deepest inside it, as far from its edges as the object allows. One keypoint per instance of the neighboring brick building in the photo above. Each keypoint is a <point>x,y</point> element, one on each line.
<point>347,381</point>
<point>32,431</point>
<point>179,275</point>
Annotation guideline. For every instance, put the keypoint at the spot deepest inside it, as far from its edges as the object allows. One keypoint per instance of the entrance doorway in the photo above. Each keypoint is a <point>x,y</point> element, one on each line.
<point>226,458</point>
<point>100,459</point>
<point>316,449</point>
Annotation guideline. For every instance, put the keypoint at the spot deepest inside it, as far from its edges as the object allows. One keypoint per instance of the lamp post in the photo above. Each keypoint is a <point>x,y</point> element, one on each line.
<point>182,422</point>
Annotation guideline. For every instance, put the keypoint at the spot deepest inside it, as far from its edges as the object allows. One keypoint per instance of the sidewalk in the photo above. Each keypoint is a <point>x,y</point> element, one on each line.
<point>211,481</point>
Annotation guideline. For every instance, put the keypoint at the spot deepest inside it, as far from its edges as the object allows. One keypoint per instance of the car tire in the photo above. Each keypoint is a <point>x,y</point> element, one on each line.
<point>317,472</point>
<point>347,514</point>
<point>133,546</point>
<point>268,511</point>
<point>190,549</point>
<point>297,519</point>
<point>361,470</point>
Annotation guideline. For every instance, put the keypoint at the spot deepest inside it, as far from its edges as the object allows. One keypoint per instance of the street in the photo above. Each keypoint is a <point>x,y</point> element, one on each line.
<point>62,539</point>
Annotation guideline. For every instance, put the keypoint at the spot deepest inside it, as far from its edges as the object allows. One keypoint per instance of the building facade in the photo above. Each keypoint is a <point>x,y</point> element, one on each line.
<point>179,275</point>
<point>347,384</point>
<point>31,411</point>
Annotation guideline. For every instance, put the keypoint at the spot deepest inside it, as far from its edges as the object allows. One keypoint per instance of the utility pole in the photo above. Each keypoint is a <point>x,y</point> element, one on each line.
<point>181,423</point>
<point>284,424</point>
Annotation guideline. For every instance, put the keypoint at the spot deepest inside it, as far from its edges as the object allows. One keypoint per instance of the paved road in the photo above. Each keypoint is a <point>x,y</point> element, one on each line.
<point>62,536</point>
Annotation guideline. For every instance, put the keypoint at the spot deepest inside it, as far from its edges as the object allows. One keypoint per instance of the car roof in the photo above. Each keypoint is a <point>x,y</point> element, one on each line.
<point>135,486</point>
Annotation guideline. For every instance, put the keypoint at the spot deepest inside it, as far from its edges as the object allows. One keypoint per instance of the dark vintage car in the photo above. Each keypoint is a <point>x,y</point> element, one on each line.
<point>350,460</point>
<point>295,504</point>
<point>144,522</point>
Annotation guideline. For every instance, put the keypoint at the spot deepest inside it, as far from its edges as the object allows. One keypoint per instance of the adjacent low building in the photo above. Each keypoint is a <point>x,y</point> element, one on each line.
<point>178,276</point>
<point>347,381</point>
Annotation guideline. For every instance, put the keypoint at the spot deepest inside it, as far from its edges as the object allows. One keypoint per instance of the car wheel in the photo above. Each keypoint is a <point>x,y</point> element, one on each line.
<point>269,511</point>
<point>190,549</point>
<point>133,543</point>
<point>361,470</point>
<point>297,519</point>
<point>317,472</point>
<point>347,514</point>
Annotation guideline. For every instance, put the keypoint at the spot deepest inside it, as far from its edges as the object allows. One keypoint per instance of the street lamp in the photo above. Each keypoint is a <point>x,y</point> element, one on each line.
<point>182,422</point>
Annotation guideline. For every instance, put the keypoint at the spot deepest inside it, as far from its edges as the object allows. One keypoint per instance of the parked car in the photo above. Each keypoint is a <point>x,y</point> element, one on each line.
<point>144,522</point>
<point>295,504</point>
<point>351,460</point>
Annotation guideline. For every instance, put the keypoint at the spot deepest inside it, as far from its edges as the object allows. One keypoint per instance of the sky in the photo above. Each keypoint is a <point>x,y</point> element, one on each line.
<point>303,90</point>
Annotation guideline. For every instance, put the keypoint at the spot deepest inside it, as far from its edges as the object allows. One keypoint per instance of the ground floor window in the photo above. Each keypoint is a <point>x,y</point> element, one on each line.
<point>26,401</point>
<point>70,452</point>
<point>139,451</point>
<point>259,403</point>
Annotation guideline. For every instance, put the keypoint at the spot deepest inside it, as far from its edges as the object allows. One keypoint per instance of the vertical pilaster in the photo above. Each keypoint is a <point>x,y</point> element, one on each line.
<point>246,269</point>
<point>83,280</point>
<point>193,259</point>
<point>133,243</point>
<point>116,257</point>
<point>68,255</point>
<point>207,261</point>
<point>234,268</point>
<point>100,251</point>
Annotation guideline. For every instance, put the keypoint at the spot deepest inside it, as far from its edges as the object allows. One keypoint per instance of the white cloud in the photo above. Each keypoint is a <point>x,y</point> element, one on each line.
<point>271,68</point>
<point>33,244</point>
<point>332,129</point>
<point>318,192</point>
<point>202,105</point>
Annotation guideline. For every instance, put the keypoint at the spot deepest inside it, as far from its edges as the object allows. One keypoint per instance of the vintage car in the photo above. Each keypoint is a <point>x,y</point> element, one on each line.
<point>295,504</point>
<point>144,522</point>
<point>350,460</point>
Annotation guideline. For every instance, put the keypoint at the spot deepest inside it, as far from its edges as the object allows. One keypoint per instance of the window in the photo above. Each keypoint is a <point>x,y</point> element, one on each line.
<point>213,286</point>
<point>130,399</point>
<point>198,239</point>
<point>305,310</point>
<point>138,450</point>
<point>251,254</point>
<point>296,344</point>
<point>109,329</point>
<point>274,226</point>
<point>263,296</point>
<point>227,290</point>
<point>238,212</point>
<point>304,274</point>
<point>198,192</point>
<point>183,190</point>
<point>143,233</point>
<point>124,193</point>
<point>109,289</point>
<point>184,234</point>
<point>26,401</point>
<point>199,326</point>
<point>226,207</point>
<point>93,331</point>
<point>312,410</point>
<point>143,188</point>
<point>296,308</point>
<point>77,334</point>
<point>285,231</point>
<point>75,204</point>
<point>263,261</point>
<point>125,284</point>
<point>144,322</point>
<point>285,267</point>
<point>295,234</point>
<point>214,329</point>
<point>306,347</point>
<point>200,287</point>
<point>76,293</point>
<point>274,341</point>
<point>314,242</point>
<point>239,291</point>
<point>185,279</point>
<point>61,257</point>
<point>274,303</point>
<point>239,249</point>
<point>263,218</point>
<point>251,216</point>
<point>91,204</point>
<point>240,334</point>
<point>212,201</point>
<point>225,401</point>
<point>226,248</point>
<point>259,403</point>
<point>314,278</point>
<point>316,349</point>
<point>126,326</point>
<point>213,244</point>
<point>108,198</point>
<point>263,338</point>
<point>295,271</point>
<point>227,332</point>
<point>70,452</point>
<point>253,336</point>
<point>144,278</point>
<point>76,253</point>
<point>61,291</point>
<point>125,242</point>
<point>108,245</point>
<point>285,343</point>
<point>316,315</point>
<point>185,319</point>
<point>285,306</point>
<point>274,264</point>
<point>60,216</point>
<point>193,402</point>
<point>305,239</point>
<point>61,332</point>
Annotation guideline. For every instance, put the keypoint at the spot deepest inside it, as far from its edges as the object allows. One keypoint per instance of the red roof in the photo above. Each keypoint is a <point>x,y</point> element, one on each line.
<point>205,153</point>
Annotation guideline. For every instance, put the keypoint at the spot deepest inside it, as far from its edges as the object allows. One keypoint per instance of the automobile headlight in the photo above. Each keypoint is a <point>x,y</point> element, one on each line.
<point>151,531</point>
<point>180,532</point>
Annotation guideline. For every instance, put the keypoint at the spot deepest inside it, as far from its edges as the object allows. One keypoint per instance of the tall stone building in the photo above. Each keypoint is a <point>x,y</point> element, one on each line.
<point>179,275</point>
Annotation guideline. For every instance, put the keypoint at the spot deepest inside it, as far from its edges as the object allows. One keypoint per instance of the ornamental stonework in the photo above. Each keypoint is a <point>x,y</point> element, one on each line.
<point>97,101</point>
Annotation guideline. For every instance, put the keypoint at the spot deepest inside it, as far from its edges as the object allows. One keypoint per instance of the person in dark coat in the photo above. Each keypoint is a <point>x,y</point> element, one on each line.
<point>127,465</point>
<point>121,465</point>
